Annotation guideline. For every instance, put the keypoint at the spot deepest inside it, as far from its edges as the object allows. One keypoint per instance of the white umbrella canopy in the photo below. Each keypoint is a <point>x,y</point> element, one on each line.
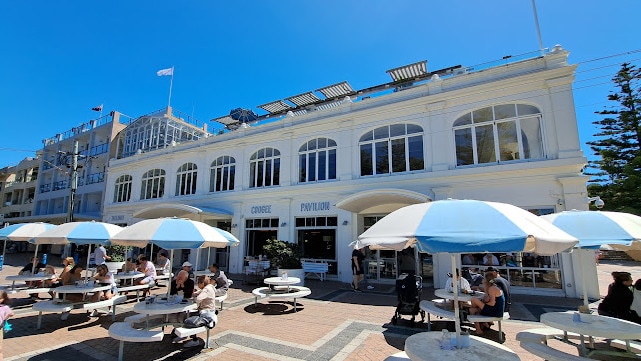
<point>594,229</point>
<point>79,233</point>
<point>174,233</point>
<point>465,226</point>
<point>23,232</point>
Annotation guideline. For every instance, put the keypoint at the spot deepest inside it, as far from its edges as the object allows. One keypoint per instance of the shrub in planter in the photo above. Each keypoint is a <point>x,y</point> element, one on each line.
<point>283,254</point>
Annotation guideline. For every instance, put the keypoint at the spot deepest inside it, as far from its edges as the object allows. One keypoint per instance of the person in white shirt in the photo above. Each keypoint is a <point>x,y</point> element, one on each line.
<point>464,287</point>
<point>490,260</point>
<point>163,265</point>
<point>149,270</point>
<point>100,255</point>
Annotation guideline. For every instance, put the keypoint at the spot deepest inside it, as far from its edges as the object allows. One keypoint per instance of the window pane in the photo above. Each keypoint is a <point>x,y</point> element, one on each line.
<point>524,109</point>
<point>268,173</point>
<point>415,145</point>
<point>252,174</point>
<point>312,167</point>
<point>464,120</point>
<point>367,136</point>
<point>322,165</point>
<point>504,111</point>
<point>482,115</point>
<point>464,150</point>
<point>508,142</point>
<point>397,129</point>
<point>531,138</point>
<point>322,143</point>
<point>276,172</point>
<point>382,132</point>
<point>232,176</point>
<point>302,160</point>
<point>485,144</point>
<point>311,145</point>
<point>413,128</point>
<point>382,157</point>
<point>332,164</point>
<point>398,155</point>
<point>366,159</point>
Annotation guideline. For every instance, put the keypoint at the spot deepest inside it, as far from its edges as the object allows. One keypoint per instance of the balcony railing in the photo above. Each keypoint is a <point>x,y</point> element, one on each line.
<point>95,178</point>
<point>45,188</point>
<point>94,151</point>
<point>60,185</point>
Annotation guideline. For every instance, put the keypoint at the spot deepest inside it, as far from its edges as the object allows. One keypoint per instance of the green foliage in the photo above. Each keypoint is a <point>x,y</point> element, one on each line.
<point>283,254</point>
<point>617,171</point>
<point>117,253</point>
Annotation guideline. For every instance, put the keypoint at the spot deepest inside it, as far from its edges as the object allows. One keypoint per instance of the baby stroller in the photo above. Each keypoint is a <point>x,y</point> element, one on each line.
<point>408,289</point>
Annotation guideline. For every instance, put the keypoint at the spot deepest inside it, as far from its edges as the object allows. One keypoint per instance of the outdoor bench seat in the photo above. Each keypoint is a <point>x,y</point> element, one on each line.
<point>186,332</point>
<point>295,292</point>
<point>123,331</point>
<point>141,317</point>
<point>548,353</point>
<point>38,290</point>
<point>106,303</point>
<point>136,288</point>
<point>164,277</point>
<point>319,269</point>
<point>431,308</point>
<point>481,318</point>
<point>221,299</point>
<point>50,306</point>
<point>543,334</point>
<point>620,344</point>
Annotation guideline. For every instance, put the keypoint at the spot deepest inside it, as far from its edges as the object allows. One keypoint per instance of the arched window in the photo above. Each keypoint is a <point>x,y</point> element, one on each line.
<point>392,149</point>
<point>264,168</point>
<point>511,131</point>
<point>122,189</point>
<point>153,184</point>
<point>186,179</point>
<point>222,174</point>
<point>317,160</point>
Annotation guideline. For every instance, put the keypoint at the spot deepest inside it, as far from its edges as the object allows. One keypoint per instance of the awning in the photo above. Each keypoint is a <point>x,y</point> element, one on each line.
<point>182,211</point>
<point>381,200</point>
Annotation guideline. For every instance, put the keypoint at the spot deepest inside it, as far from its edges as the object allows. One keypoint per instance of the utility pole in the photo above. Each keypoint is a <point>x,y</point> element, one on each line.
<point>73,179</point>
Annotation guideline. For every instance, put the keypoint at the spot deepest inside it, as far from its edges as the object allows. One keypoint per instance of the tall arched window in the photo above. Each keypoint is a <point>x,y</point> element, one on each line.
<point>153,184</point>
<point>392,149</point>
<point>499,133</point>
<point>222,174</point>
<point>317,160</point>
<point>264,168</point>
<point>186,177</point>
<point>122,189</point>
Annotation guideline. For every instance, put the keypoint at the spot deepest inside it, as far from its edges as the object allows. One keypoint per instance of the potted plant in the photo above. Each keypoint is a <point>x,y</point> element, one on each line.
<point>117,254</point>
<point>285,256</point>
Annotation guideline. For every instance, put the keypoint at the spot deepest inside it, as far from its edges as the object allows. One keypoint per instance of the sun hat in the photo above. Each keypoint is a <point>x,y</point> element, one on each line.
<point>187,264</point>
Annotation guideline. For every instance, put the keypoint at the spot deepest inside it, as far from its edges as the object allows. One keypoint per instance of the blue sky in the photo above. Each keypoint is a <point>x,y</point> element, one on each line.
<point>61,58</point>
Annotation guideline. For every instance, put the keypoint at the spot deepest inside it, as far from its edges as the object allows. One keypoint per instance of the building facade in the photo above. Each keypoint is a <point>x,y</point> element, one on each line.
<point>319,171</point>
<point>18,189</point>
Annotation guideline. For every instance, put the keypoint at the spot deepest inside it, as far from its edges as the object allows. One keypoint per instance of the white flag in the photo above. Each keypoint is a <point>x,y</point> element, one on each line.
<point>168,71</point>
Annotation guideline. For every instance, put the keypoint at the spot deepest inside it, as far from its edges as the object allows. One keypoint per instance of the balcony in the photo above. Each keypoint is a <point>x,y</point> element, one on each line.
<point>95,178</point>
<point>45,188</point>
<point>60,185</point>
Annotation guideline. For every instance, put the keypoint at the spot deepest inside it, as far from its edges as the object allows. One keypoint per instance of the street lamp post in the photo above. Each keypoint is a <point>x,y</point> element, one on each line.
<point>73,179</point>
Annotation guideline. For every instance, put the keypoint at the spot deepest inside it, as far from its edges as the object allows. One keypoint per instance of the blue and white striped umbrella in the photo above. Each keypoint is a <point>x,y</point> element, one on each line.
<point>90,232</point>
<point>466,226</point>
<point>174,233</point>
<point>23,231</point>
<point>597,228</point>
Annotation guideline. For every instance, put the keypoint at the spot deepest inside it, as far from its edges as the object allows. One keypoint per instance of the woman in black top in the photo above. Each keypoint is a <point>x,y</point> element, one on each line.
<point>619,299</point>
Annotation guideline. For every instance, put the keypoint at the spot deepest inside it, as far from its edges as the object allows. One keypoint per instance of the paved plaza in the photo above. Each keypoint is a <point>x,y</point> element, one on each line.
<point>333,323</point>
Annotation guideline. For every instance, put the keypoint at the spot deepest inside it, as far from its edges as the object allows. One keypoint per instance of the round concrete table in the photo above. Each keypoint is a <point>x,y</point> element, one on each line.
<point>128,276</point>
<point>593,325</point>
<point>466,297</point>
<point>163,308</point>
<point>27,278</point>
<point>425,346</point>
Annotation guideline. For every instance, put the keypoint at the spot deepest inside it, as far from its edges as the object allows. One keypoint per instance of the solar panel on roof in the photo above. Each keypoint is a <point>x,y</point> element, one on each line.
<point>336,90</point>
<point>303,99</point>
<point>226,120</point>
<point>275,107</point>
<point>409,71</point>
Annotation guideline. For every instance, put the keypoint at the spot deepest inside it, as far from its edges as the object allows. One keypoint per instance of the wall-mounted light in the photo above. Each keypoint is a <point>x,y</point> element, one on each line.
<point>345,223</point>
<point>598,202</point>
<point>283,224</point>
<point>234,225</point>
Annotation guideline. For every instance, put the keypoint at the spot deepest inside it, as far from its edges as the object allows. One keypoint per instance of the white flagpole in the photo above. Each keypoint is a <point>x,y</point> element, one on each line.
<point>171,82</point>
<point>538,29</point>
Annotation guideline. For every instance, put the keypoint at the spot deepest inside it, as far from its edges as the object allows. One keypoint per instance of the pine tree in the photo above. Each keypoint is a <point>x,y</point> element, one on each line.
<point>617,178</point>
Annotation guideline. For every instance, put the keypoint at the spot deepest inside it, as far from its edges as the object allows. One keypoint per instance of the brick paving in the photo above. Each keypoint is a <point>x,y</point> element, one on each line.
<point>333,323</point>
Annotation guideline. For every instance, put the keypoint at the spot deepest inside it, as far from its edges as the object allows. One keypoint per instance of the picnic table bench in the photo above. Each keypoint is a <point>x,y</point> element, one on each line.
<point>294,293</point>
<point>59,306</point>
<point>432,308</point>
<point>319,269</point>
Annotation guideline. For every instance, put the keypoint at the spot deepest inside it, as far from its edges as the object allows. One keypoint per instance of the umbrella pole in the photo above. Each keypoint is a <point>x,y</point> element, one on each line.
<point>3,250</point>
<point>584,283</point>
<point>33,264</point>
<point>208,257</point>
<point>197,254</point>
<point>88,258</point>
<point>171,266</point>
<point>457,319</point>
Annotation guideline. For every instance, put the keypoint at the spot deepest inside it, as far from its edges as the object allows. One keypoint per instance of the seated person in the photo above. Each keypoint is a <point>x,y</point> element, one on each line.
<point>509,260</point>
<point>220,280</point>
<point>29,269</point>
<point>490,260</point>
<point>619,299</point>
<point>468,258</point>
<point>104,278</point>
<point>529,260</point>
<point>163,265</point>
<point>129,266</point>
<point>70,278</point>
<point>188,267</point>
<point>149,271</point>
<point>463,287</point>
<point>183,286</point>
<point>636,301</point>
<point>204,298</point>
<point>491,305</point>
